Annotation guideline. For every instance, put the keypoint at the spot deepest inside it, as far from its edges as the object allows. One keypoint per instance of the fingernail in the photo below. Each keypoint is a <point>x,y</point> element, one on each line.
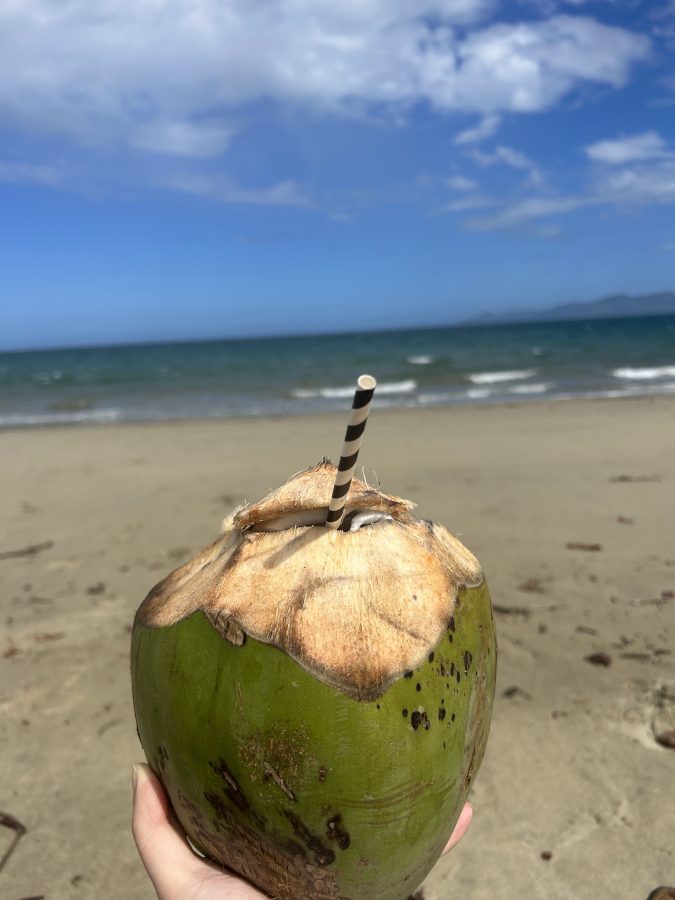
<point>134,776</point>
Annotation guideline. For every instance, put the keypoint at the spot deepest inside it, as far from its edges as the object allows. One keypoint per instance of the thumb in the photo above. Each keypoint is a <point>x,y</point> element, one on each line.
<point>166,856</point>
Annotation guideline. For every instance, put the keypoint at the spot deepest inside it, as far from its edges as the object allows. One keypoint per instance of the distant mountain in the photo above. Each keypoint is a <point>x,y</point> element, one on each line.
<point>616,307</point>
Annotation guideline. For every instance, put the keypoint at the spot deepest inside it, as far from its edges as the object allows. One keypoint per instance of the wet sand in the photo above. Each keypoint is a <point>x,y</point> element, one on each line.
<point>569,505</point>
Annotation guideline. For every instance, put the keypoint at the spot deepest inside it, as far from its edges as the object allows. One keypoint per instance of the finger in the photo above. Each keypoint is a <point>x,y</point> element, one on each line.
<point>173,868</point>
<point>460,828</point>
<point>166,856</point>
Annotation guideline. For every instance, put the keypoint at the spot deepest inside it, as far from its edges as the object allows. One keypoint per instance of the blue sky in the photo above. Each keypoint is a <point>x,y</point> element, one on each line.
<point>181,169</point>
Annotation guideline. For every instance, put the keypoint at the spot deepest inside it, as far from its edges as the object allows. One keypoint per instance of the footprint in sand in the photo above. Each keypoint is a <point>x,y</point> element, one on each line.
<point>651,719</point>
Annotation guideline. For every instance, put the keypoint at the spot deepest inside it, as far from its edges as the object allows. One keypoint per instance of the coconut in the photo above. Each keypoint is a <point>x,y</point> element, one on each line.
<point>317,703</point>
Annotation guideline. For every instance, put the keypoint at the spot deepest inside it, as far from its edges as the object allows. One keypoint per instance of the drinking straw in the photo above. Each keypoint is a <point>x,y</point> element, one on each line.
<point>365,388</point>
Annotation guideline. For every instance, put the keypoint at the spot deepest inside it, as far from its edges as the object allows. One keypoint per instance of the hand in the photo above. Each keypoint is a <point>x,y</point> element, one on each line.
<point>179,874</point>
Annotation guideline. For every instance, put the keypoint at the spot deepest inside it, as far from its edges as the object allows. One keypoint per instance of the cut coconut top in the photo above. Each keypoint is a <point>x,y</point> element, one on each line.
<point>356,609</point>
<point>310,491</point>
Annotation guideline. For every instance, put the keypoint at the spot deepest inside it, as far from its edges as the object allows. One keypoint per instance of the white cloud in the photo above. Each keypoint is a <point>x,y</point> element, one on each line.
<point>487,126</point>
<point>20,173</point>
<point>529,66</point>
<point>220,189</point>
<point>460,183</point>
<point>639,185</point>
<point>466,204</point>
<point>524,211</point>
<point>170,75</point>
<point>664,23</point>
<point>507,156</point>
<point>649,145</point>
<point>666,34</point>
<point>628,188</point>
<point>198,139</point>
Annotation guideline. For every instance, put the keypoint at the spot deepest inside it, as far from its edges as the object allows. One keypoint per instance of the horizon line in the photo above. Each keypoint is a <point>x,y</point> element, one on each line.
<point>482,320</point>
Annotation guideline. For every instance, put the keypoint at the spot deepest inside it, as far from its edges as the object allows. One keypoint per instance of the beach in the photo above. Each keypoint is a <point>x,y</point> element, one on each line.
<point>567,503</point>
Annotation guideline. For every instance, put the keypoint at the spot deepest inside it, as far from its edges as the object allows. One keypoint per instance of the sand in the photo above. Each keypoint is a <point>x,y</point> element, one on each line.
<point>575,797</point>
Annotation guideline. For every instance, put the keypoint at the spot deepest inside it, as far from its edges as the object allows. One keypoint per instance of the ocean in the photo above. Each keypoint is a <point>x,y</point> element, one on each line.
<point>302,375</point>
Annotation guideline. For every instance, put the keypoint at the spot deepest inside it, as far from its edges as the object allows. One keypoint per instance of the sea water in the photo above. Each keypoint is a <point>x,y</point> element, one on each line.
<point>307,374</point>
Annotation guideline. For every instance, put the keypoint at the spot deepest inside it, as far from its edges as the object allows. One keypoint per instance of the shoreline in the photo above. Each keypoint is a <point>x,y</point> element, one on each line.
<point>546,362</point>
<point>461,408</point>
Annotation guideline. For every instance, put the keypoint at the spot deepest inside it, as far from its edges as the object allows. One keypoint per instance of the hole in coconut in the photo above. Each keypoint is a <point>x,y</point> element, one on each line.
<point>359,518</point>
<point>300,519</point>
<point>353,520</point>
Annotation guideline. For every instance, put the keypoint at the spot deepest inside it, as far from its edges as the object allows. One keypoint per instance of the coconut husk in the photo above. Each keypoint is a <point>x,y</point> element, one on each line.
<point>355,609</point>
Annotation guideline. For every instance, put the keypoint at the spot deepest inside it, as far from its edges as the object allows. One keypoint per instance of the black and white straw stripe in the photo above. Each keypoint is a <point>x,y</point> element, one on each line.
<point>350,449</point>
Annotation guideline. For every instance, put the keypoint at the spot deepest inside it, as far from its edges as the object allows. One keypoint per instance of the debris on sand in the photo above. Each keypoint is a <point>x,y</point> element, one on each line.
<point>94,589</point>
<point>515,691</point>
<point>45,636</point>
<point>532,586</point>
<point>511,610</point>
<point>654,601</point>
<point>19,829</point>
<point>599,659</point>
<point>666,739</point>
<point>582,545</point>
<point>107,725</point>
<point>634,479</point>
<point>29,550</point>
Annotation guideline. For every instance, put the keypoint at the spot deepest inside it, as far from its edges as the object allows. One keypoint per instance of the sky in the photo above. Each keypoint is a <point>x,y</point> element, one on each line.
<point>186,169</point>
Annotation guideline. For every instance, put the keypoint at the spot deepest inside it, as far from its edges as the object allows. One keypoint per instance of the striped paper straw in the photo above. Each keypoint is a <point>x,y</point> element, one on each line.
<point>365,388</point>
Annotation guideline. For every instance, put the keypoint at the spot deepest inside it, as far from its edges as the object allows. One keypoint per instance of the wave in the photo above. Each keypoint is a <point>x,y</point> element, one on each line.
<point>539,387</point>
<point>434,398</point>
<point>645,374</point>
<point>497,377</point>
<point>624,393</point>
<point>397,387</point>
<point>47,378</point>
<point>420,360</point>
<point>665,387</point>
<point>478,393</point>
<point>336,393</point>
<point>81,417</point>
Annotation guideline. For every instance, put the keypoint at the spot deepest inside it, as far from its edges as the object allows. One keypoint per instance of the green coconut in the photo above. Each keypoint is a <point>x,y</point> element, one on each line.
<point>317,703</point>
